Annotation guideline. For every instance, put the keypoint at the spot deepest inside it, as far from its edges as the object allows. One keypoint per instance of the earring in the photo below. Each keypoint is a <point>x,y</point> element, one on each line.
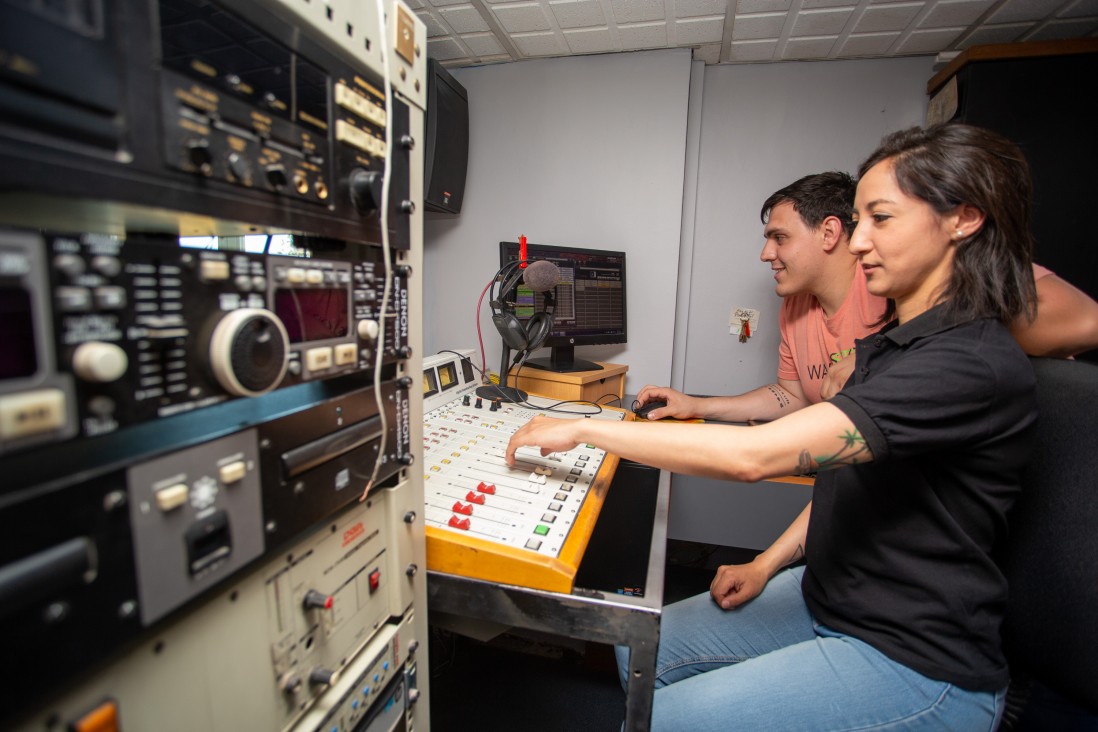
<point>960,233</point>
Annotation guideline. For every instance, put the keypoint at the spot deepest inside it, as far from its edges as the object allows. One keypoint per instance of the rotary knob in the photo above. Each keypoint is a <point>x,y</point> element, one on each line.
<point>99,362</point>
<point>323,677</point>
<point>249,352</point>
<point>365,190</point>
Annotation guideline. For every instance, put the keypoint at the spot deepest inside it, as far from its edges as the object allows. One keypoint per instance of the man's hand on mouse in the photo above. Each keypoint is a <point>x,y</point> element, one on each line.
<point>678,405</point>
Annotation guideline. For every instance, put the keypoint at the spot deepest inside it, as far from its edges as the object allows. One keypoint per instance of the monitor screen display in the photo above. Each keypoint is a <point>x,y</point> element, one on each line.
<point>590,301</point>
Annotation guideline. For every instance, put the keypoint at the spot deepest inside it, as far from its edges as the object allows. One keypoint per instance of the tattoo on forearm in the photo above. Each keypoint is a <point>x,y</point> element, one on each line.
<point>852,451</point>
<point>780,395</point>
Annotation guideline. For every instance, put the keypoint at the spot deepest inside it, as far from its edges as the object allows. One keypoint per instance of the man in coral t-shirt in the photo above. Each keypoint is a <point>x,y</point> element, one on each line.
<point>826,305</point>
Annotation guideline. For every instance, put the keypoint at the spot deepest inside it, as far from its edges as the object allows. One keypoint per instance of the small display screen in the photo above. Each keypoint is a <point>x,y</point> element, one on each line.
<point>313,315</point>
<point>17,357</point>
<point>447,376</point>
<point>430,385</point>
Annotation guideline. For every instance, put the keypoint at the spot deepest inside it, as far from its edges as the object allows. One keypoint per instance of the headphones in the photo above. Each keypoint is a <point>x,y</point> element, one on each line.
<point>517,335</point>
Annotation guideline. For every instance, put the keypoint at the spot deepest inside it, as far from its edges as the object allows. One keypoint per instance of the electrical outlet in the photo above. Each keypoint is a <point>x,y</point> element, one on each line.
<point>735,320</point>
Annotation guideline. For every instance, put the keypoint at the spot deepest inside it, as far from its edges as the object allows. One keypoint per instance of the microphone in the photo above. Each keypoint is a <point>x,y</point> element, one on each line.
<point>541,276</point>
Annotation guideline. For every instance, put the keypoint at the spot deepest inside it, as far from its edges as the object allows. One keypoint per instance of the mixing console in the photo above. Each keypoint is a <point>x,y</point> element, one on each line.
<point>527,524</point>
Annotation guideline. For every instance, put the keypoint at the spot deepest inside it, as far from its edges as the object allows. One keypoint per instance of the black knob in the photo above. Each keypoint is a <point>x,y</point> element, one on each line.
<point>410,517</point>
<point>198,155</point>
<point>404,351</point>
<point>411,571</point>
<point>408,142</point>
<point>405,382</point>
<point>365,190</point>
<point>276,175</point>
<point>408,207</point>
<point>407,458</point>
<point>412,646</point>
<point>323,676</point>
<point>403,270</point>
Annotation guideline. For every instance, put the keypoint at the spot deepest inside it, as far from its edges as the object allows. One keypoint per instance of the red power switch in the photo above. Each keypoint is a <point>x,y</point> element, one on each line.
<point>375,580</point>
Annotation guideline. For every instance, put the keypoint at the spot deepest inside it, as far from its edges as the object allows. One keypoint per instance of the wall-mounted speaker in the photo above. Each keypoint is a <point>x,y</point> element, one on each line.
<point>447,152</point>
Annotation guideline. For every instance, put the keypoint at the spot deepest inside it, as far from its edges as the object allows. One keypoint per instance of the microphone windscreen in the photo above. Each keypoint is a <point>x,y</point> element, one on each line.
<point>541,276</point>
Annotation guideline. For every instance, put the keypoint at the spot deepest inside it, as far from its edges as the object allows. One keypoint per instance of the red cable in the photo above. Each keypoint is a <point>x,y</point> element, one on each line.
<point>480,337</point>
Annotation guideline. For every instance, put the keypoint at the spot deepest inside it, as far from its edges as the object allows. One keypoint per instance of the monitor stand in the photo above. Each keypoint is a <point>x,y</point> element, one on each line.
<point>563,361</point>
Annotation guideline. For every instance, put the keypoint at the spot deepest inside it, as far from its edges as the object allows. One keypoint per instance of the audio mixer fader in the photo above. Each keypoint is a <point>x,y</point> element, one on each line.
<point>526,524</point>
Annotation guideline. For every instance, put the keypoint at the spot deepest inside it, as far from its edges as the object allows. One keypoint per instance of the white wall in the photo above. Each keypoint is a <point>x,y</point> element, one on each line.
<point>762,127</point>
<point>583,151</point>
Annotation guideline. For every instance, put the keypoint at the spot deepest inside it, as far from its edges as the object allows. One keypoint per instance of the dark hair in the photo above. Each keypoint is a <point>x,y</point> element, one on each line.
<point>815,197</point>
<point>952,164</point>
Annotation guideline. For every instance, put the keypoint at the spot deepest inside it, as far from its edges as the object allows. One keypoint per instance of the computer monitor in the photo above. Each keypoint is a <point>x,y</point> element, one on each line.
<point>590,301</point>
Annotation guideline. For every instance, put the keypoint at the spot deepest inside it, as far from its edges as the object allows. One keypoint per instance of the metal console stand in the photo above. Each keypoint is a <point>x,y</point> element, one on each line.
<point>600,616</point>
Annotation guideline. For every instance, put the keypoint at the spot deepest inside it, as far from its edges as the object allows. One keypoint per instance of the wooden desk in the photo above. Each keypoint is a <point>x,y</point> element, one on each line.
<point>580,385</point>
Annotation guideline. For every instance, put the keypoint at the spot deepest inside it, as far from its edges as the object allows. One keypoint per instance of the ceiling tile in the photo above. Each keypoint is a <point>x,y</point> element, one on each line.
<point>757,27</point>
<point>578,13</point>
<point>1060,29</point>
<point>539,44</point>
<point>590,40</point>
<point>445,49</point>
<point>1023,10</point>
<point>746,7</point>
<point>637,11</point>
<point>642,35</point>
<point>699,30</point>
<point>1005,33</point>
<point>444,3</point>
<point>868,44</point>
<point>799,48</point>
<point>483,44</point>
<point>753,50</point>
<point>695,8</point>
<point>813,4</point>
<point>1081,9</point>
<point>928,41</point>
<point>949,14</point>
<point>521,18</point>
<point>464,19</point>
<point>434,27</point>
<point>828,21</point>
<point>879,18</point>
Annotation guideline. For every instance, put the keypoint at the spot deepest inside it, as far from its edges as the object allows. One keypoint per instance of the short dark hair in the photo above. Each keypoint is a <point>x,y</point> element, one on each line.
<point>951,164</point>
<point>816,197</point>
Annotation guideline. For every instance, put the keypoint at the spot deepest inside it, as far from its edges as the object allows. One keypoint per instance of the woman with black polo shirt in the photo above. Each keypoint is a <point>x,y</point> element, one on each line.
<point>893,621</point>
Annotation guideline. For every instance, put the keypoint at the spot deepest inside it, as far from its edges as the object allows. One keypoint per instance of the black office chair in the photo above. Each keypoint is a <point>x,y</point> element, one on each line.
<point>1051,628</point>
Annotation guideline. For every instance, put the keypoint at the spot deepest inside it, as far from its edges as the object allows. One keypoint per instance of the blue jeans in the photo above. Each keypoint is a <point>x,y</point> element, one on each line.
<point>769,665</point>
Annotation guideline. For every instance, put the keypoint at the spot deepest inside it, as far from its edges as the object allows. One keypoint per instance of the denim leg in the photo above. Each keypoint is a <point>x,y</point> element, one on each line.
<point>834,683</point>
<point>697,636</point>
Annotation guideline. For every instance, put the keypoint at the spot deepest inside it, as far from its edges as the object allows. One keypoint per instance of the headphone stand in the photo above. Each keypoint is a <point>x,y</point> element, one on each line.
<point>501,391</point>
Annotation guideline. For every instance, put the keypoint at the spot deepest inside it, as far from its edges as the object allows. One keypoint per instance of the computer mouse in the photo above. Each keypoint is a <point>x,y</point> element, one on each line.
<point>642,411</point>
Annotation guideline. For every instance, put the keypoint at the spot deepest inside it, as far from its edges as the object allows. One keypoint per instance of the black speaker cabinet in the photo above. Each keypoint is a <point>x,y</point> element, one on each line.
<point>1039,96</point>
<point>447,152</point>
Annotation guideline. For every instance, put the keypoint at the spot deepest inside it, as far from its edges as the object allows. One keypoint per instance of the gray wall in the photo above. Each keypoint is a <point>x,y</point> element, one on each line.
<point>582,151</point>
<point>668,160</point>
